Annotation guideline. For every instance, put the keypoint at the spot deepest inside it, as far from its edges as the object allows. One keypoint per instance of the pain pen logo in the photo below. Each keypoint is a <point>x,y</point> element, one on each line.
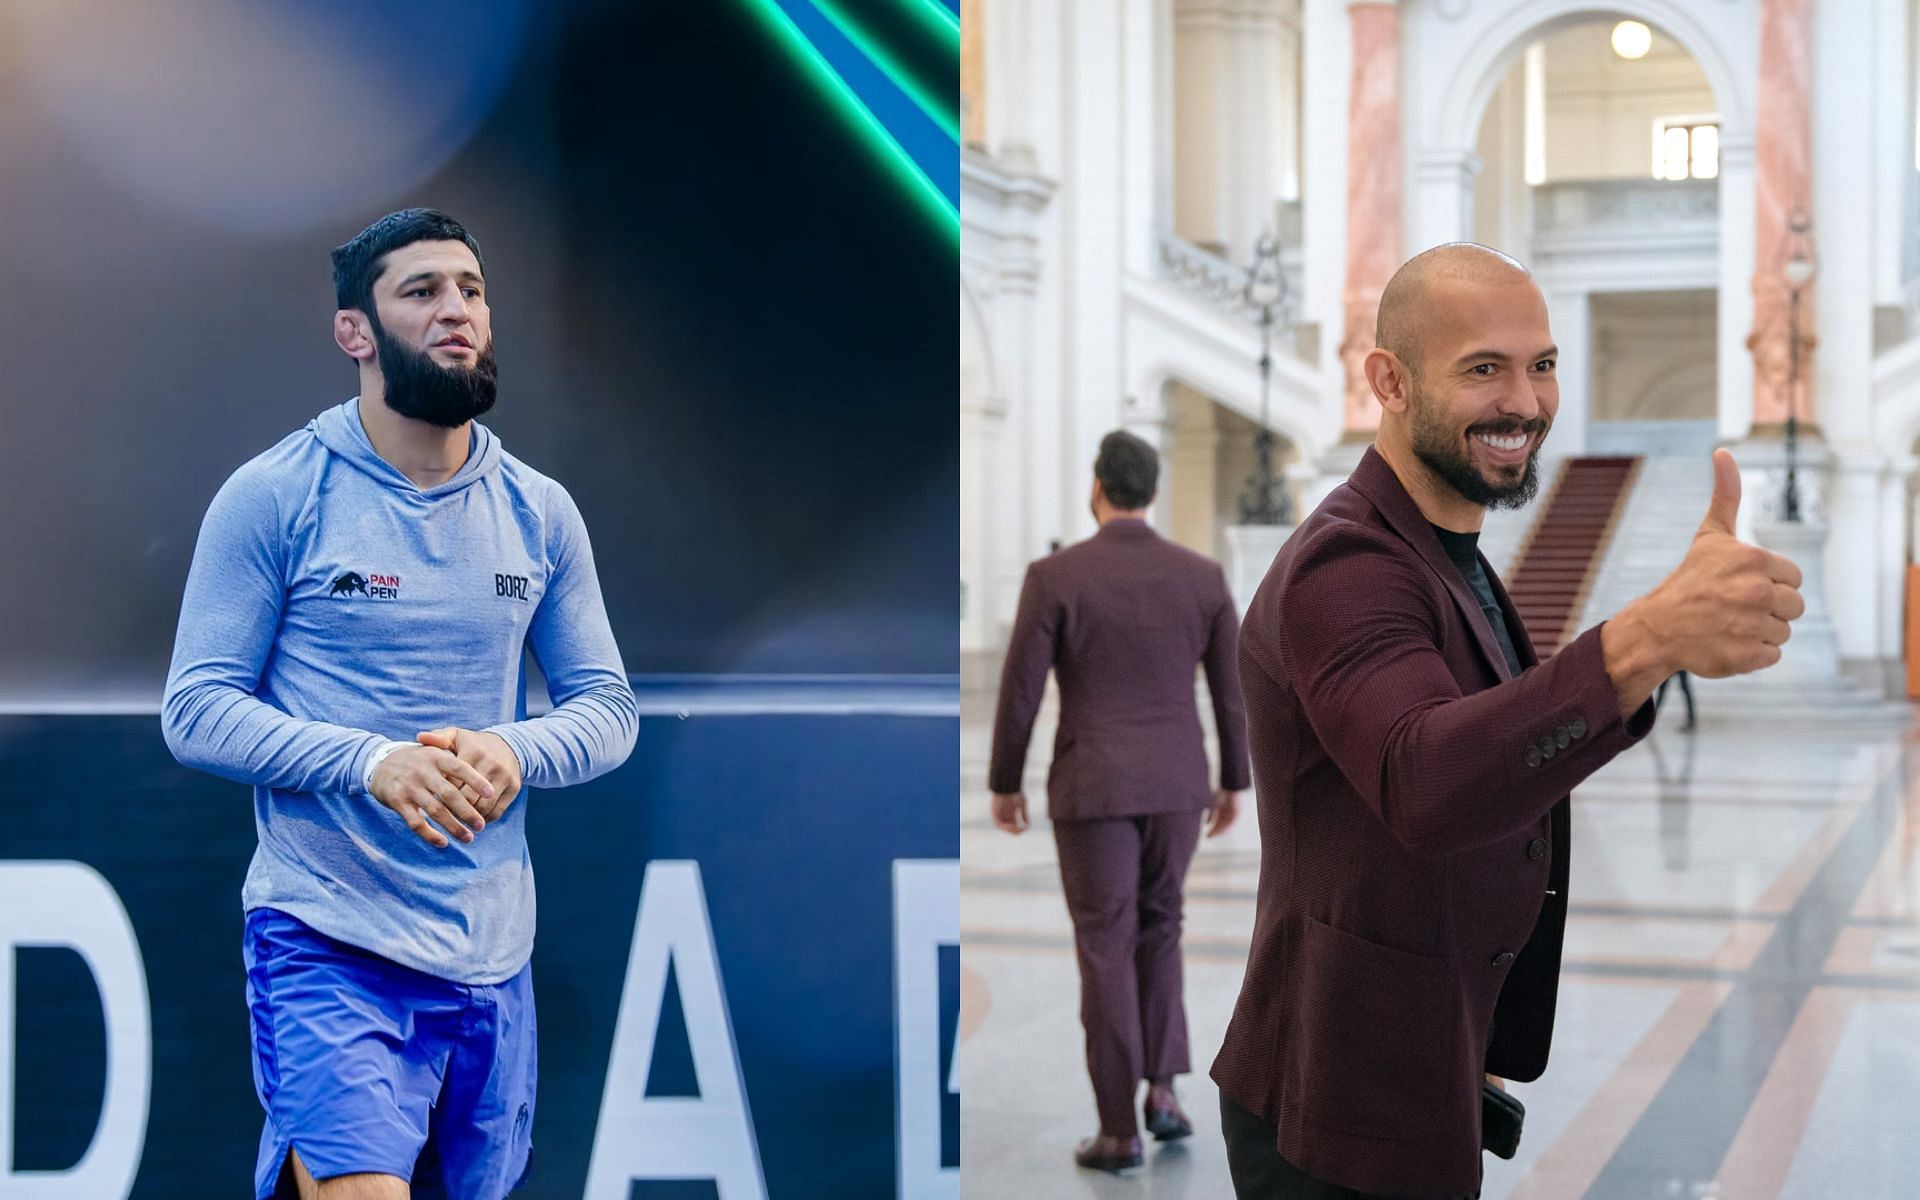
<point>374,587</point>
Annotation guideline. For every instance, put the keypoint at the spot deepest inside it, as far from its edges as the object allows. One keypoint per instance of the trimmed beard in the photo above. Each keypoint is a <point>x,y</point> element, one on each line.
<point>421,389</point>
<point>1442,449</point>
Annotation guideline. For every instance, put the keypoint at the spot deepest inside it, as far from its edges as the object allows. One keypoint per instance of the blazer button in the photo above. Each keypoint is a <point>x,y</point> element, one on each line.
<point>1562,736</point>
<point>1578,728</point>
<point>1548,748</point>
<point>1533,756</point>
<point>1537,849</point>
<point>1503,958</point>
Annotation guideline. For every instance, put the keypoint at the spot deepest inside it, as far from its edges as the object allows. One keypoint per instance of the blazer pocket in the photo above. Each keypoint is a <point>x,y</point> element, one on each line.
<point>1376,1035</point>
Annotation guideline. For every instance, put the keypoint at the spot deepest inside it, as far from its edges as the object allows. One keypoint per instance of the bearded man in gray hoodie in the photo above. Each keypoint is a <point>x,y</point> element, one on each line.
<point>350,644</point>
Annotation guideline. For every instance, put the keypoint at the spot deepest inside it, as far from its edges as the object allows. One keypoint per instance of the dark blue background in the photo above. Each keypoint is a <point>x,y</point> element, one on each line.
<point>794,820</point>
<point>722,323</point>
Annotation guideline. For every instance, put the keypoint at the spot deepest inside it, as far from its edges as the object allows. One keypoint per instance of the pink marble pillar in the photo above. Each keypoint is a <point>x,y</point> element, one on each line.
<point>973,77</point>
<point>1783,157</point>
<point>1373,196</point>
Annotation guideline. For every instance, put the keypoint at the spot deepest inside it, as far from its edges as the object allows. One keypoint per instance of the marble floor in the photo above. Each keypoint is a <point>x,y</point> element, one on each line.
<point>1739,1006</point>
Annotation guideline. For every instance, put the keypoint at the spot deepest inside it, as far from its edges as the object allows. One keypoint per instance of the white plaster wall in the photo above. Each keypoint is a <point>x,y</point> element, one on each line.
<point>1503,200</point>
<point>1653,357</point>
<point>1863,589</point>
<point>1326,60</point>
<point>1893,143</point>
<point>1600,108</point>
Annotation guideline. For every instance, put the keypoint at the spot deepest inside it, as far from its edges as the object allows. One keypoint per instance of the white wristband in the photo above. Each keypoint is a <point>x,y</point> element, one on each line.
<point>374,760</point>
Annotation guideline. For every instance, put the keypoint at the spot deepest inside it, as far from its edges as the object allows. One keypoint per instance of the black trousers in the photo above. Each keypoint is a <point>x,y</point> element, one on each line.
<point>1258,1171</point>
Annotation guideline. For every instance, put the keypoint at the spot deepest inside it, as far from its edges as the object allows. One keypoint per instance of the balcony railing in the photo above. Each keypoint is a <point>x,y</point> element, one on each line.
<point>1612,206</point>
<point>1218,283</point>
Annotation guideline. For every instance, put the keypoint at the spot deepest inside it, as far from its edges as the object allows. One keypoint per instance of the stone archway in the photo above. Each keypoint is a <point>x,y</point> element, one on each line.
<point>1489,42</point>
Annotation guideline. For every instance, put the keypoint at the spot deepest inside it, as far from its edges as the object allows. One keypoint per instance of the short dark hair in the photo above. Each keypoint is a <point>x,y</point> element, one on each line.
<point>1128,470</point>
<point>358,263</point>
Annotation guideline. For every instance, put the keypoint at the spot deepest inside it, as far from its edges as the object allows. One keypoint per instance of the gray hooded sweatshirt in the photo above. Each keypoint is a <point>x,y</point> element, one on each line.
<point>332,606</point>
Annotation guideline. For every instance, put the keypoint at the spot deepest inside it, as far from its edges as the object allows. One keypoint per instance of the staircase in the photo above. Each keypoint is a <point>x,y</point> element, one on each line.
<point>1651,535</point>
<point>1669,496</point>
<point>1555,570</point>
<point>1503,531</point>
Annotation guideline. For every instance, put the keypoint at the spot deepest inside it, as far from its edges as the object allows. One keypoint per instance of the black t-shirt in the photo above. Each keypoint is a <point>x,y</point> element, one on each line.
<point>1464,550</point>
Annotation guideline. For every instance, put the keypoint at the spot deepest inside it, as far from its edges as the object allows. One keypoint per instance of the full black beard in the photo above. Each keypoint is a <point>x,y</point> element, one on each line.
<point>422,389</point>
<point>1444,452</point>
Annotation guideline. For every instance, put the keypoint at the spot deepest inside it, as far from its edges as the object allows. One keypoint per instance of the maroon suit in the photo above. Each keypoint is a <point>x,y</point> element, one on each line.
<point>1413,829</point>
<point>1123,619</point>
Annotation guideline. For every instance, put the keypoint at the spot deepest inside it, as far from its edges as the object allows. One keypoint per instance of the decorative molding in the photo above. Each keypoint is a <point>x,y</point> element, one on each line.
<point>1592,206</point>
<point>1448,165</point>
<point>1232,19</point>
<point>999,248</point>
<point>1220,284</point>
<point>989,179</point>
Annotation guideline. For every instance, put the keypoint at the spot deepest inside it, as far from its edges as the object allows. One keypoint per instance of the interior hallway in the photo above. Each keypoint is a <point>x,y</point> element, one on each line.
<point>1739,1006</point>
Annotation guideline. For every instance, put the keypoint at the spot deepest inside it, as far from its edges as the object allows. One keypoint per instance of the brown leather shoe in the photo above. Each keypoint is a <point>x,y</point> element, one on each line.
<point>1168,1124</point>
<point>1105,1153</point>
<point>1165,1119</point>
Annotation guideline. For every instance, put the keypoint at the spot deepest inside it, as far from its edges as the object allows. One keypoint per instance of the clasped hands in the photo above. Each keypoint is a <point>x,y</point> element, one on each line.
<point>457,778</point>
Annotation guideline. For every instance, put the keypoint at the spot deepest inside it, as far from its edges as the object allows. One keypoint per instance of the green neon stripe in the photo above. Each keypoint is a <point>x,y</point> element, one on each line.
<point>946,116</point>
<point>945,214</point>
<point>940,18</point>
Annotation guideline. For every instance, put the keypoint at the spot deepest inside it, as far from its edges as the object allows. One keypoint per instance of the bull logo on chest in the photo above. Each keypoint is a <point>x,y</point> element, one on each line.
<point>348,583</point>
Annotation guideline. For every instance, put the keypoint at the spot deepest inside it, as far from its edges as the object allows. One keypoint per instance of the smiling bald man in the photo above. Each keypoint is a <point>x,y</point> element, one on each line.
<point>1413,757</point>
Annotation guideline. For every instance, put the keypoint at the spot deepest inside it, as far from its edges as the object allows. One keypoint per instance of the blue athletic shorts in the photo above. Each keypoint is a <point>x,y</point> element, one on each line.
<point>365,1065</point>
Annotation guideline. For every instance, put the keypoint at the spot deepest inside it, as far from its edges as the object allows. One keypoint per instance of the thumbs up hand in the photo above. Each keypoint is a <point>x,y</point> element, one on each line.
<point>1725,610</point>
<point>1725,506</point>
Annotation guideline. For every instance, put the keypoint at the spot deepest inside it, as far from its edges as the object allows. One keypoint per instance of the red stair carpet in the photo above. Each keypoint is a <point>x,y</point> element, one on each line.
<point>1562,553</point>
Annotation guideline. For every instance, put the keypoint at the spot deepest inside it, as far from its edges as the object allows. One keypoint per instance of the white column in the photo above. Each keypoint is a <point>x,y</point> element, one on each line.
<point>1257,48</point>
<point>1202,120</point>
<point>1140,117</point>
<point>1853,565</point>
<point>1166,66</point>
<point>1893,148</point>
<point>1286,97</point>
<point>1028,57</point>
<point>1326,53</point>
<point>1093,220</point>
<point>1228,107</point>
<point>1024,320</point>
<point>1017,69</point>
<point>1010,410</point>
<point>1442,197</point>
<point>1570,313</point>
<point>1840,385</point>
<point>1502,203</point>
<point>1891,555</point>
<point>978,448</point>
<point>1735,316</point>
<point>1843,117</point>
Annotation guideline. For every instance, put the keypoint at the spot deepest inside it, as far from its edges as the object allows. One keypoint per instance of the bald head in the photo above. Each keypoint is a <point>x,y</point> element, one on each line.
<point>1431,279</point>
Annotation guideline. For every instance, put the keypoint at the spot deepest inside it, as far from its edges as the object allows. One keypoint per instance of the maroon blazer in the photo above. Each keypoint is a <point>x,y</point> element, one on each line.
<point>1413,845</point>
<point>1123,619</point>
